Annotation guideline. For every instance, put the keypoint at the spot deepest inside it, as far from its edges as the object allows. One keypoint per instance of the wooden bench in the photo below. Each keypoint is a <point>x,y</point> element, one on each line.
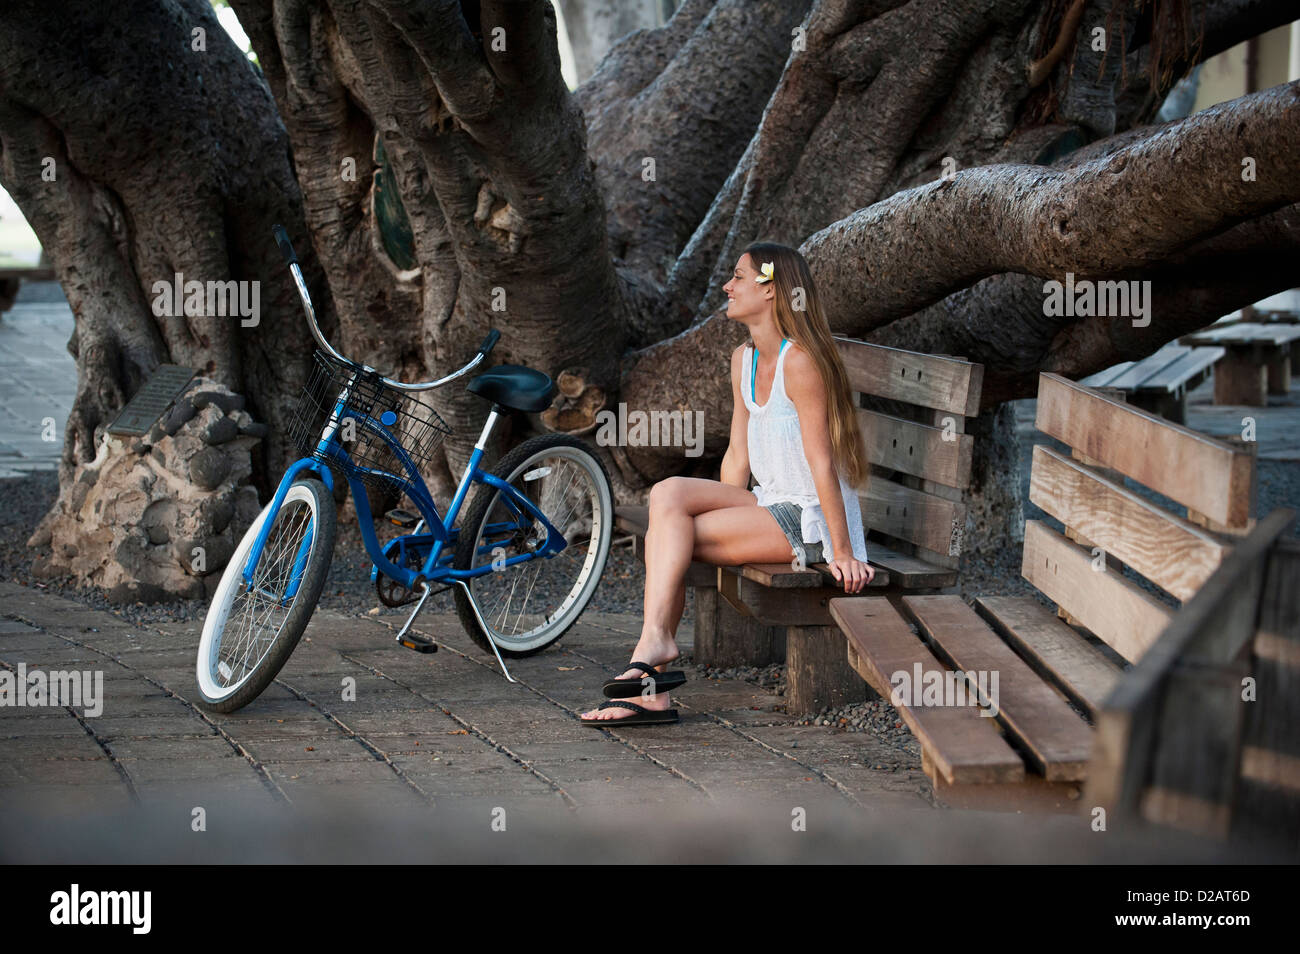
<point>1203,734</point>
<point>913,411</point>
<point>1159,383</point>
<point>1054,670</point>
<point>1257,363</point>
<point>11,279</point>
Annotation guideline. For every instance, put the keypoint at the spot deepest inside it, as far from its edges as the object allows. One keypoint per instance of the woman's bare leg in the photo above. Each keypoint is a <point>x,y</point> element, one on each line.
<point>692,519</point>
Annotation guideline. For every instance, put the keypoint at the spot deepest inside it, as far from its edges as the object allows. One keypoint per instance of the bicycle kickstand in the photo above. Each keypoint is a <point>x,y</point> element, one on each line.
<point>484,626</point>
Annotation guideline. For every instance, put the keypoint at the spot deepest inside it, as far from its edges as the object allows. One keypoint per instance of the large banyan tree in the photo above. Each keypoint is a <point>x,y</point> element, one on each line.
<point>938,161</point>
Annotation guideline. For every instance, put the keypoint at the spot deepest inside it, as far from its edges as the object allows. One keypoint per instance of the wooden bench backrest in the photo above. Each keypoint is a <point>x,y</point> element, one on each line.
<point>1107,522</point>
<point>920,454</point>
<point>1180,742</point>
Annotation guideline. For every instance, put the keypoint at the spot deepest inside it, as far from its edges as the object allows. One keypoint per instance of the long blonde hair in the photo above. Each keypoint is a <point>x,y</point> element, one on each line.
<point>807,327</point>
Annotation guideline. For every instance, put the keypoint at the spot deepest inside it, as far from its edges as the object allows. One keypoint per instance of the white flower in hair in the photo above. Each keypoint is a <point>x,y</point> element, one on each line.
<point>766,275</point>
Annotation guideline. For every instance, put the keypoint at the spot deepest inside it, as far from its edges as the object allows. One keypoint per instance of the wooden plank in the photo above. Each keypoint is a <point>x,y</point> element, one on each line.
<point>1168,550</point>
<point>1197,750</point>
<point>924,519</point>
<point>1122,614</point>
<point>1207,475</point>
<point>1214,624</point>
<point>632,518</point>
<point>909,572</point>
<point>30,273</point>
<point>781,575</point>
<point>1245,333</point>
<point>1034,794</point>
<point>801,606</point>
<point>945,384</point>
<point>916,449</point>
<point>1052,648</point>
<point>1053,738</point>
<point>1102,378</point>
<point>1184,369</point>
<point>964,746</point>
<point>1152,364</point>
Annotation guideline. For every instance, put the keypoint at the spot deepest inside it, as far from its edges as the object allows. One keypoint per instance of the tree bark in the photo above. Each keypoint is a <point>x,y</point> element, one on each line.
<point>162,159</point>
<point>935,159</point>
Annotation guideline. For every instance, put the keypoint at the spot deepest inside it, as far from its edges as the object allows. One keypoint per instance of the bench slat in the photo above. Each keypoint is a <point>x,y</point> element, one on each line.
<point>1245,333</point>
<point>1052,648</point>
<point>1136,376</point>
<point>912,515</point>
<point>909,572</point>
<point>963,745</point>
<point>1168,550</point>
<point>1209,476</point>
<point>1056,740</point>
<point>1184,369</point>
<point>916,449</point>
<point>944,384</point>
<point>1104,377</point>
<point>1118,611</point>
<point>632,518</point>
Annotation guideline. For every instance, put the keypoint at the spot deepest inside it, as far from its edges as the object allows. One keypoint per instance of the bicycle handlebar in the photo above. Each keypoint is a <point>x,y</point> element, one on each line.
<point>291,259</point>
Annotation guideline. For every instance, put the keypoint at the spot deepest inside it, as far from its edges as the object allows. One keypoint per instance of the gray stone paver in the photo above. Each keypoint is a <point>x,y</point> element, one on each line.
<point>421,729</point>
<point>38,379</point>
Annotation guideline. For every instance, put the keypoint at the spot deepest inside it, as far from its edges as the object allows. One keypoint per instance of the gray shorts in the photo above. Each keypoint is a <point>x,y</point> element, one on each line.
<point>789,517</point>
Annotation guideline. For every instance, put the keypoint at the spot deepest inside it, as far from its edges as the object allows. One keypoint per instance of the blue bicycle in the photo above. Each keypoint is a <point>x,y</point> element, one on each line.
<point>534,544</point>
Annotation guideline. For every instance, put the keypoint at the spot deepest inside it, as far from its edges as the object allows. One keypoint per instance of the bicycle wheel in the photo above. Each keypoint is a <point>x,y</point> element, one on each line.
<point>249,632</point>
<point>531,604</point>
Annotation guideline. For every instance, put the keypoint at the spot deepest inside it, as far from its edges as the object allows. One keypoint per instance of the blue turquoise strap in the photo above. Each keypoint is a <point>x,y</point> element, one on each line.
<point>753,367</point>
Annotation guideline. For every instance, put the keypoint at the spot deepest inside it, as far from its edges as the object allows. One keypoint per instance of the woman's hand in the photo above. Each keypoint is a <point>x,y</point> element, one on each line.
<point>853,574</point>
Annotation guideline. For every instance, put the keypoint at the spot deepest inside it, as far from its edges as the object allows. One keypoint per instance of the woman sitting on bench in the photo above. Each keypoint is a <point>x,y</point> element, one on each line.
<point>793,425</point>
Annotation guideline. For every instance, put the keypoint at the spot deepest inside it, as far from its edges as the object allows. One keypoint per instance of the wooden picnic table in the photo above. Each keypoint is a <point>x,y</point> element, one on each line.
<point>1159,383</point>
<point>12,276</point>
<point>1257,363</point>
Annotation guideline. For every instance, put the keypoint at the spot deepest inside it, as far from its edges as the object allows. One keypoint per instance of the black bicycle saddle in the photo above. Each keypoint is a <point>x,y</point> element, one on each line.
<point>514,386</point>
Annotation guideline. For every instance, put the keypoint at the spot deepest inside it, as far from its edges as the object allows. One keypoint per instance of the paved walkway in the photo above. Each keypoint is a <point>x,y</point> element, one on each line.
<point>38,379</point>
<point>438,757</point>
<point>421,728</point>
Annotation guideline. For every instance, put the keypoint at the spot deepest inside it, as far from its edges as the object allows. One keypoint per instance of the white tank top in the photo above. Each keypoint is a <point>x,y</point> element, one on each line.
<point>780,467</point>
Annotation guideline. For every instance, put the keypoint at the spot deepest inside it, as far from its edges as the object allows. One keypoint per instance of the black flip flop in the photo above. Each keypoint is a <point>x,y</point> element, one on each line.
<point>626,688</point>
<point>643,715</point>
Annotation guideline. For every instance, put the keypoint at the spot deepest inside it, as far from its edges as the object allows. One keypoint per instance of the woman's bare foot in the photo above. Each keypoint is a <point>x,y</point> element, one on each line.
<point>657,702</point>
<point>652,650</point>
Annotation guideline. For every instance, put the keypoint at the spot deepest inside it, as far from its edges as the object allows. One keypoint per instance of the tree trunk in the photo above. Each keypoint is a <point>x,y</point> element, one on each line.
<point>167,158</point>
<point>939,161</point>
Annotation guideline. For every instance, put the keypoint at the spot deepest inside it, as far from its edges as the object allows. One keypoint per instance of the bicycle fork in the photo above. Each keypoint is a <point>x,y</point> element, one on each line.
<point>419,644</point>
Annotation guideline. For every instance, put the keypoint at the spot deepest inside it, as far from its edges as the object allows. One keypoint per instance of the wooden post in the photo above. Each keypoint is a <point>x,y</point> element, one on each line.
<point>724,638</point>
<point>817,672</point>
<point>1241,378</point>
<point>1278,365</point>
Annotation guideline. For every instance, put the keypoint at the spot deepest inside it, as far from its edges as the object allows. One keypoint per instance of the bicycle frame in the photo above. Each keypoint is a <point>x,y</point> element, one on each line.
<point>441,532</point>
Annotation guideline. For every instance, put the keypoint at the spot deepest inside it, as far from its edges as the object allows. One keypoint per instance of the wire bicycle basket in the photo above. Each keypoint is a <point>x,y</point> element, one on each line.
<point>369,407</point>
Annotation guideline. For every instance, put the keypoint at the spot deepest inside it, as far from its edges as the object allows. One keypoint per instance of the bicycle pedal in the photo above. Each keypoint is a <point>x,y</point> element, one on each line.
<point>418,643</point>
<point>402,518</point>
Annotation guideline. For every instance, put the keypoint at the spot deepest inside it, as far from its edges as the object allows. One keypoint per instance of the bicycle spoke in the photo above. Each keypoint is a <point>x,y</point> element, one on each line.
<point>528,596</point>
